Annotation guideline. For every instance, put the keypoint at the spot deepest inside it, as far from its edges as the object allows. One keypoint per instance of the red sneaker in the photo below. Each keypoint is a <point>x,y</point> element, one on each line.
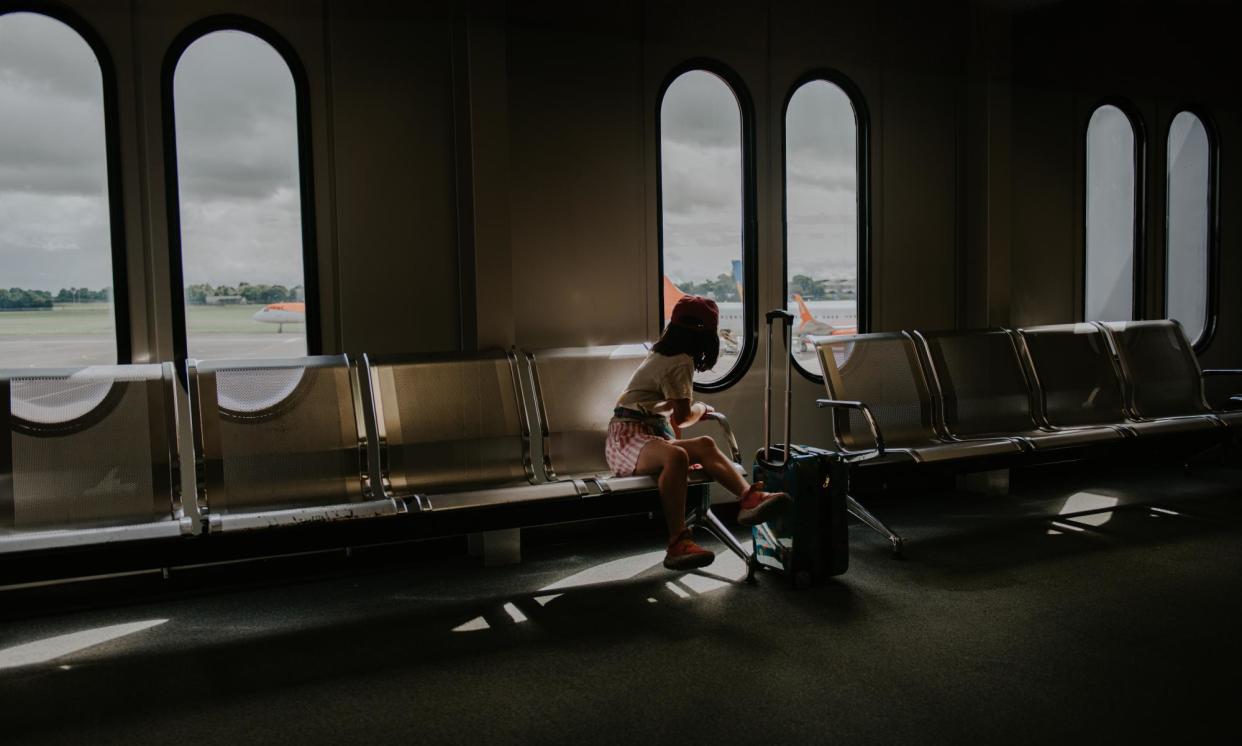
<point>757,506</point>
<point>684,554</point>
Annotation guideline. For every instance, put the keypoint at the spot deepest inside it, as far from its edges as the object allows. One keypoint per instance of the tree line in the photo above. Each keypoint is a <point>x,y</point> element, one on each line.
<point>197,294</point>
<point>20,298</point>
<point>723,289</point>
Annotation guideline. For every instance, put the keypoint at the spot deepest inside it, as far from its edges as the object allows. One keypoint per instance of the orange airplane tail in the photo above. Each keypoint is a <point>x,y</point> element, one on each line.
<point>804,313</point>
<point>672,294</point>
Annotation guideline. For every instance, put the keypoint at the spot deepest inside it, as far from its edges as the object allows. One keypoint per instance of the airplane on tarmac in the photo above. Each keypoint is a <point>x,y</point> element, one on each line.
<point>816,318</point>
<point>281,313</point>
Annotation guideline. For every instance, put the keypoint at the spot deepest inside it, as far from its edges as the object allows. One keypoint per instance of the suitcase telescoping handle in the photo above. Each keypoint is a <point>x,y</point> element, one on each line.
<point>785,319</point>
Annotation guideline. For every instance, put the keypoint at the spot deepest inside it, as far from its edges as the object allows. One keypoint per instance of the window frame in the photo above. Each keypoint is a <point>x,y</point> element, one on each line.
<point>862,126</point>
<point>172,187</point>
<point>1135,118</point>
<point>1211,318</point>
<point>750,230</point>
<point>112,159</point>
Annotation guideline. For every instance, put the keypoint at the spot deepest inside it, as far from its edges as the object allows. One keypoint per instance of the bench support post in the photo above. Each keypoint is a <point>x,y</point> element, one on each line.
<point>875,524</point>
<point>993,483</point>
<point>497,548</point>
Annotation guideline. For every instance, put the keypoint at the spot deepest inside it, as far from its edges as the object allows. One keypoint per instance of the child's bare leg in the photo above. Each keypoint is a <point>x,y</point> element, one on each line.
<point>672,463</point>
<point>703,450</point>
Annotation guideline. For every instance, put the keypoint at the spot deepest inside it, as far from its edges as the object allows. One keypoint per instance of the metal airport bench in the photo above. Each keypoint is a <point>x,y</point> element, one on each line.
<point>442,444</point>
<point>280,442</point>
<point>983,392</point>
<point>453,433</point>
<point>1078,381</point>
<point>976,401</point>
<point>884,414</point>
<point>575,390</point>
<point>88,456</point>
<point>1163,374</point>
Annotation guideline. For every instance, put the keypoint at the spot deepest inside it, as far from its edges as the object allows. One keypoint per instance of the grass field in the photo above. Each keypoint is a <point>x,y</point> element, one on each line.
<point>97,318</point>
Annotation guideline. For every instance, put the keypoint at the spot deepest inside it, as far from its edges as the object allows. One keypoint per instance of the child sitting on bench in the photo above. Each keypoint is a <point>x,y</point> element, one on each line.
<point>644,436</point>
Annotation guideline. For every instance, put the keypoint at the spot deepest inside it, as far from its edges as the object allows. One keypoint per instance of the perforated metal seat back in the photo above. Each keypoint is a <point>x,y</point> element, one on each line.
<point>1164,374</point>
<point>883,372</point>
<point>87,447</point>
<point>278,435</point>
<point>981,381</point>
<point>578,390</point>
<point>1074,369</point>
<point>451,424</point>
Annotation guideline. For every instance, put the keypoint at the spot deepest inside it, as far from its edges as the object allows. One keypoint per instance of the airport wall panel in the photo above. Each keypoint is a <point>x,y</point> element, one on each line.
<point>394,186</point>
<point>576,174</point>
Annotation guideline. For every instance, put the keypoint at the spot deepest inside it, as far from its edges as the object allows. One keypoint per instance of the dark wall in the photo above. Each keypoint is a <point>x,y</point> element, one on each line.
<point>1160,57</point>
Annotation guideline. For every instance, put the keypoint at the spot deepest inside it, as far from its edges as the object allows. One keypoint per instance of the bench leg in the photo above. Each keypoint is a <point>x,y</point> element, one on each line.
<point>497,548</point>
<point>710,523</point>
<point>858,511</point>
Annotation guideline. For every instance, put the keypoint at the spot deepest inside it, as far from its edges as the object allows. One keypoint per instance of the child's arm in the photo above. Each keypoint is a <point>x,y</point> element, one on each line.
<point>686,413</point>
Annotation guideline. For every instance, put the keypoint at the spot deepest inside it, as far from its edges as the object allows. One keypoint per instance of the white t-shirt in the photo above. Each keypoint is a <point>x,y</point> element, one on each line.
<point>659,379</point>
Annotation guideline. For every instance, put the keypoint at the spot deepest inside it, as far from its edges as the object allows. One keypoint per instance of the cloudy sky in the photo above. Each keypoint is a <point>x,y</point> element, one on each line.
<point>237,166</point>
<point>702,181</point>
<point>54,229</point>
<point>237,160</point>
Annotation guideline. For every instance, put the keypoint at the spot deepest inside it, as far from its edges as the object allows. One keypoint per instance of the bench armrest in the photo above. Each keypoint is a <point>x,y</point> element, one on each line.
<point>871,423</point>
<point>1234,401</point>
<point>723,421</point>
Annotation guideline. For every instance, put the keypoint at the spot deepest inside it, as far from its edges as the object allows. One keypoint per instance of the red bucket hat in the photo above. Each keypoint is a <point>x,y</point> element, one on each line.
<point>695,312</point>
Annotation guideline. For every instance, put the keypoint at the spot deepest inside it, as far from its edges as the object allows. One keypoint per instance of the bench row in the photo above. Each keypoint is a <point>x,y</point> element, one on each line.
<point>953,396</point>
<point>97,454</point>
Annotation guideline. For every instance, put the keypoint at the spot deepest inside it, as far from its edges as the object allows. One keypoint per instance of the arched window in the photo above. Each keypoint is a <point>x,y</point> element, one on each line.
<point>707,206</point>
<point>825,231</point>
<point>241,230</point>
<point>1114,168</point>
<point>62,248</point>
<point>1189,195</point>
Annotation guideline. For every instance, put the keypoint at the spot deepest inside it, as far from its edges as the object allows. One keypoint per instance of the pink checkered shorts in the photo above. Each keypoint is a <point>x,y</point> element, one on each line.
<point>626,439</point>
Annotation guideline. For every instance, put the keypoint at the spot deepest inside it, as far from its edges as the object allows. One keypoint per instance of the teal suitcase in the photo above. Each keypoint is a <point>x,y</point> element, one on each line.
<point>810,541</point>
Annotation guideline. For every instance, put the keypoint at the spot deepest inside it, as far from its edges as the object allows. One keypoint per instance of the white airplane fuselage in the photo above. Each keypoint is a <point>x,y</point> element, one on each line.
<point>838,314</point>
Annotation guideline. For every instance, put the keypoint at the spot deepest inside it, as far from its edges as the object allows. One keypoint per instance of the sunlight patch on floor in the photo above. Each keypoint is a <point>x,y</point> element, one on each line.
<point>725,571</point>
<point>1098,508</point>
<point>51,648</point>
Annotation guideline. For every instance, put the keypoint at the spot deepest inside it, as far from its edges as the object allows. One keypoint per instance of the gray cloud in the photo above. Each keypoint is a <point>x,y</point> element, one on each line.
<point>63,63</point>
<point>701,177</point>
<point>237,159</point>
<point>236,119</point>
<point>237,162</point>
<point>54,218</point>
<point>51,93</point>
<point>699,109</point>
